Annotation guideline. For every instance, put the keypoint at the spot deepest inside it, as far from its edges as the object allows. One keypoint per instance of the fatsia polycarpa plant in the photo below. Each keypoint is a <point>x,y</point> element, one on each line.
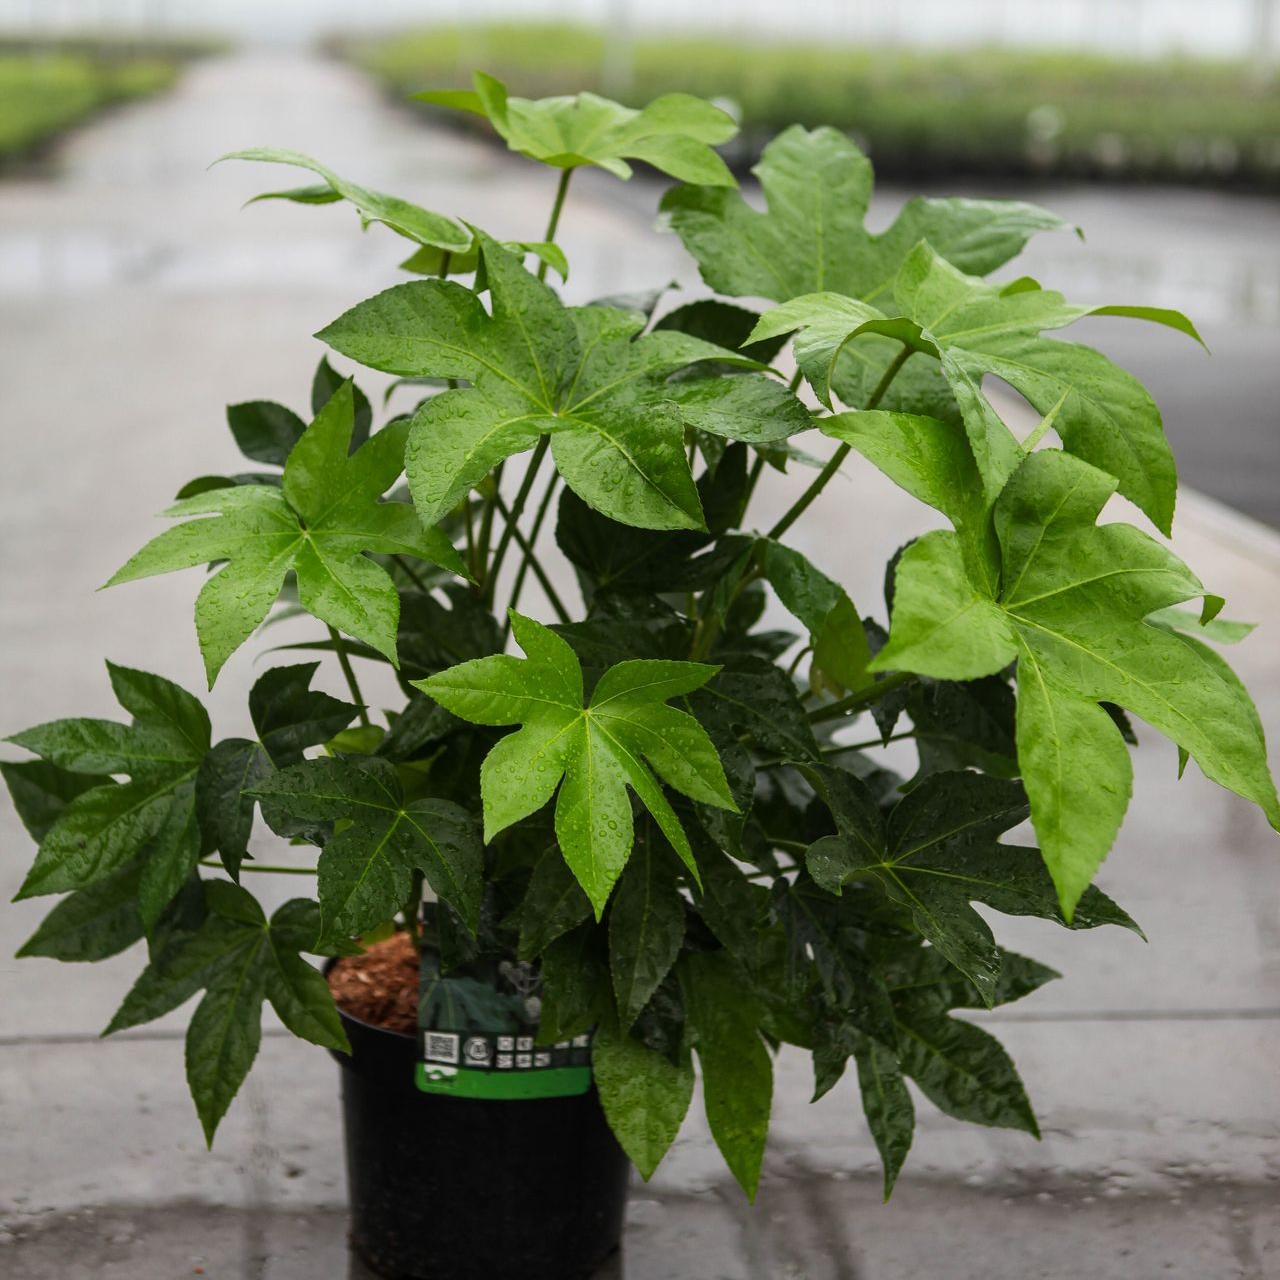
<point>674,810</point>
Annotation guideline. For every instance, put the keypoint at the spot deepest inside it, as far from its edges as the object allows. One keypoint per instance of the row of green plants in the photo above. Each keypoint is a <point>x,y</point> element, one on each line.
<point>680,811</point>
<point>42,94</point>
<point>921,114</point>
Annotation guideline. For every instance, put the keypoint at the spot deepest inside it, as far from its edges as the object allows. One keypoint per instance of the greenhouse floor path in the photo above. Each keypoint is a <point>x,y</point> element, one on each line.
<point>136,300</point>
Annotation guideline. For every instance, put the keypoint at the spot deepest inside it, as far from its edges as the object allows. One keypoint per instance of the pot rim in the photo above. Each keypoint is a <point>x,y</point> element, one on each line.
<point>360,1022</point>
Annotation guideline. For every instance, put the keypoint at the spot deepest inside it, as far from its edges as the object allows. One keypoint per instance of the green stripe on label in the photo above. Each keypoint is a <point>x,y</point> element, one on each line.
<point>550,1082</point>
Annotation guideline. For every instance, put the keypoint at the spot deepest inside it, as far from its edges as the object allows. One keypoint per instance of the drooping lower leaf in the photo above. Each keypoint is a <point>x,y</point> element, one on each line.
<point>737,1074</point>
<point>644,1094</point>
<point>238,958</point>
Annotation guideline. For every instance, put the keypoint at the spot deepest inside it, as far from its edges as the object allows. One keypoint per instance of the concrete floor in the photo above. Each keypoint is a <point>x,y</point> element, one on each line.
<point>135,301</point>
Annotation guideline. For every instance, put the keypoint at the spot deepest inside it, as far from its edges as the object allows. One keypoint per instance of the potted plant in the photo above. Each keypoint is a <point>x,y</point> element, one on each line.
<point>661,840</point>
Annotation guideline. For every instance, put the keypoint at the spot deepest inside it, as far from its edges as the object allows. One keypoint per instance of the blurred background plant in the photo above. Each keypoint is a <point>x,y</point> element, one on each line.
<point>49,83</point>
<point>922,113</point>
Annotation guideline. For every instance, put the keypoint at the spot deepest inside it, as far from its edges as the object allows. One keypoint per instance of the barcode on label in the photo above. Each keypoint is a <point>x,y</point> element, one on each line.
<point>441,1047</point>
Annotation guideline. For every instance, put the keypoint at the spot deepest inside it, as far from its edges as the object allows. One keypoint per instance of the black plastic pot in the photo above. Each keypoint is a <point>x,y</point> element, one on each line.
<point>466,1189</point>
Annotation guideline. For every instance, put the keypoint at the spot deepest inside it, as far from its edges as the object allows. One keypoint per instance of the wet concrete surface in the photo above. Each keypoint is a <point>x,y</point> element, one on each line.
<point>135,301</point>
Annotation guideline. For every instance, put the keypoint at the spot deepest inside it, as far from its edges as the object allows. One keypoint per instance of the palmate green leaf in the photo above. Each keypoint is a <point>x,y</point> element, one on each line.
<point>41,791</point>
<point>406,219</point>
<point>287,715</point>
<point>936,853</point>
<point>599,750</point>
<point>1071,609</point>
<point>92,923</point>
<point>646,927</point>
<point>961,1069</point>
<point>105,828</point>
<point>443,242</point>
<point>367,865</point>
<point>973,329</point>
<point>644,1094</point>
<point>817,186</point>
<point>674,133</point>
<point>238,959</point>
<point>887,1104</point>
<point>319,524</point>
<point>737,1073</point>
<point>581,375</point>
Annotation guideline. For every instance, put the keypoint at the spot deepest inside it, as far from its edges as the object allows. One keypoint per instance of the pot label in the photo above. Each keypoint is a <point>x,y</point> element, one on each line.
<point>478,1034</point>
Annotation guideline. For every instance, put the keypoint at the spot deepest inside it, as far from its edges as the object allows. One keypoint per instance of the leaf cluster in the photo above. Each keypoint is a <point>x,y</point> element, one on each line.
<point>675,802</point>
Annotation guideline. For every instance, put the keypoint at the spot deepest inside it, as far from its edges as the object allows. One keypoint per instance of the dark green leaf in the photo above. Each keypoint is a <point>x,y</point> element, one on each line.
<point>366,866</point>
<point>737,1074</point>
<point>92,923</point>
<point>264,431</point>
<point>937,852</point>
<point>646,927</point>
<point>553,904</point>
<point>644,1094</point>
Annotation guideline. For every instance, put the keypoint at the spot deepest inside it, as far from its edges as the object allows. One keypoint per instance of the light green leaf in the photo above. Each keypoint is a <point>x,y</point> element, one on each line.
<point>319,525</point>
<point>840,649</point>
<point>973,329</point>
<point>536,367</point>
<point>408,220</point>
<point>1072,608</point>
<point>817,186</point>
<point>599,750</point>
<point>644,1094</point>
<point>367,864</point>
<point>673,133</point>
<point>737,1073</point>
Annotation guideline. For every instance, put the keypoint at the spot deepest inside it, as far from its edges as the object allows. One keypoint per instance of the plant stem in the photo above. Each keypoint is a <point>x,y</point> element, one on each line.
<point>805,500</point>
<point>796,378</point>
<point>842,747</point>
<point>554,221</point>
<point>411,573</point>
<point>791,846</point>
<point>411,910</point>
<point>529,559</point>
<point>863,698</point>
<point>517,509</point>
<point>264,868</point>
<point>481,571</point>
<point>753,478</point>
<point>344,661</point>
